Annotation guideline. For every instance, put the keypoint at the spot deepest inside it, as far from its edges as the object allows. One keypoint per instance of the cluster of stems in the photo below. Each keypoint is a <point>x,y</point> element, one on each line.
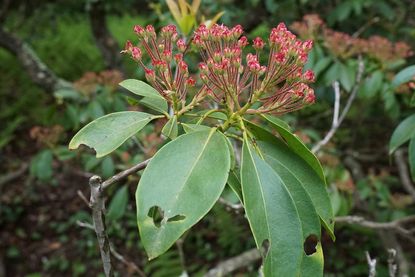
<point>255,82</point>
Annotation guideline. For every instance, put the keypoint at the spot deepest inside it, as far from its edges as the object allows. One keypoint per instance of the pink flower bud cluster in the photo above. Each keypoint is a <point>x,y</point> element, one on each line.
<point>229,75</point>
<point>168,72</point>
<point>344,46</point>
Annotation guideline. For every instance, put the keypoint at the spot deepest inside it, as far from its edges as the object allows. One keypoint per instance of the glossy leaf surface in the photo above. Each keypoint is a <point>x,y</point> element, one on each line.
<point>272,215</point>
<point>107,133</point>
<point>183,181</point>
<point>297,146</point>
<point>402,133</point>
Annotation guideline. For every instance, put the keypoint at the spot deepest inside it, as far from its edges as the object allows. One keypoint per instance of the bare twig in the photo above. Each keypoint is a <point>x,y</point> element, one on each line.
<point>82,196</point>
<point>397,225</point>
<point>97,204</point>
<point>37,69</point>
<point>132,266</point>
<point>404,173</point>
<point>231,206</point>
<point>232,264</point>
<point>124,174</point>
<point>252,255</point>
<point>337,120</point>
<point>372,265</point>
<point>13,175</point>
<point>85,225</point>
<point>392,267</point>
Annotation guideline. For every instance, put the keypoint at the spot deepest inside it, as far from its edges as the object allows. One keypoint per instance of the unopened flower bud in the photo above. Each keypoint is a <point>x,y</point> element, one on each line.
<point>242,42</point>
<point>139,31</point>
<point>136,53</point>
<point>128,47</point>
<point>150,75</point>
<point>181,45</point>
<point>258,43</point>
<point>309,75</point>
<point>190,82</point>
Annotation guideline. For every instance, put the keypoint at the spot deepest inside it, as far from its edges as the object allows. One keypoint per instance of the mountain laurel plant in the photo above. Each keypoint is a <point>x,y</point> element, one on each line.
<point>278,180</point>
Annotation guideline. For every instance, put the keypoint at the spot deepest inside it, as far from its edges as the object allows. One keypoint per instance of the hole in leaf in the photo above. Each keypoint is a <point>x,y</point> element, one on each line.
<point>310,245</point>
<point>177,217</point>
<point>264,248</point>
<point>157,214</point>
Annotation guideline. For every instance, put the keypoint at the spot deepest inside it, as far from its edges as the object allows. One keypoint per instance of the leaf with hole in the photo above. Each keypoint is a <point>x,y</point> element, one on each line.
<point>272,215</point>
<point>402,133</point>
<point>182,182</point>
<point>311,182</point>
<point>310,222</point>
<point>107,133</point>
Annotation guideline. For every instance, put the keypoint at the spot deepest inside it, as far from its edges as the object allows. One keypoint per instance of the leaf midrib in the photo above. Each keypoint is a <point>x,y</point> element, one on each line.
<point>196,161</point>
<point>264,204</point>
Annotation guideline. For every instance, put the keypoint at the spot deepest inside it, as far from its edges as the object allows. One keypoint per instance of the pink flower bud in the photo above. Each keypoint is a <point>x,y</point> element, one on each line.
<point>167,55</point>
<point>181,45</point>
<point>258,43</point>
<point>309,75</point>
<point>178,57</point>
<point>136,53</point>
<point>280,57</point>
<point>150,74</point>
<point>307,45</point>
<point>190,82</point>
<point>183,66</point>
<point>139,31</point>
<point>310,98</point>
<point>150,31</point>
<point>237,31</point>
<point>128,47</point>
<point>242,42</point>
<point>203,68</point>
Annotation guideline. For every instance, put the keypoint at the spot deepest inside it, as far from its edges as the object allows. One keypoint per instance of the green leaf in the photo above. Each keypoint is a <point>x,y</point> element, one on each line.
<point>321,65</point>
<point>313,265</point>
<point>411,157</point>
<point>372,85</point>
<point>402,133</point>
<point>107,133</point>
<point>189,128</point>
<point>140,88</point>
<point>272,215</point>
<point>298,147</point>
<point>405,75</point>
<point>347,77</point>
<point>180,184</point>
<point>235,185</point>
<point>276,121</point>
<point>67,94</point>
<point>312,183</point>
<point>107,167</point>
<point>157,104</point>
<point>118,204</point>
<point>41,165</point>
<point>170,129</point>
<point>151,97</point>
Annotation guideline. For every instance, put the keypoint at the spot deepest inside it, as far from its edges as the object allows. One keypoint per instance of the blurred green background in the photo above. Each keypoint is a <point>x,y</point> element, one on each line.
<point>40,179</point>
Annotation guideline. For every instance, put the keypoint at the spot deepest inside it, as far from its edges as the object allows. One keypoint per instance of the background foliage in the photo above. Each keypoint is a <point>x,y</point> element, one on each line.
<point>40,208</point>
